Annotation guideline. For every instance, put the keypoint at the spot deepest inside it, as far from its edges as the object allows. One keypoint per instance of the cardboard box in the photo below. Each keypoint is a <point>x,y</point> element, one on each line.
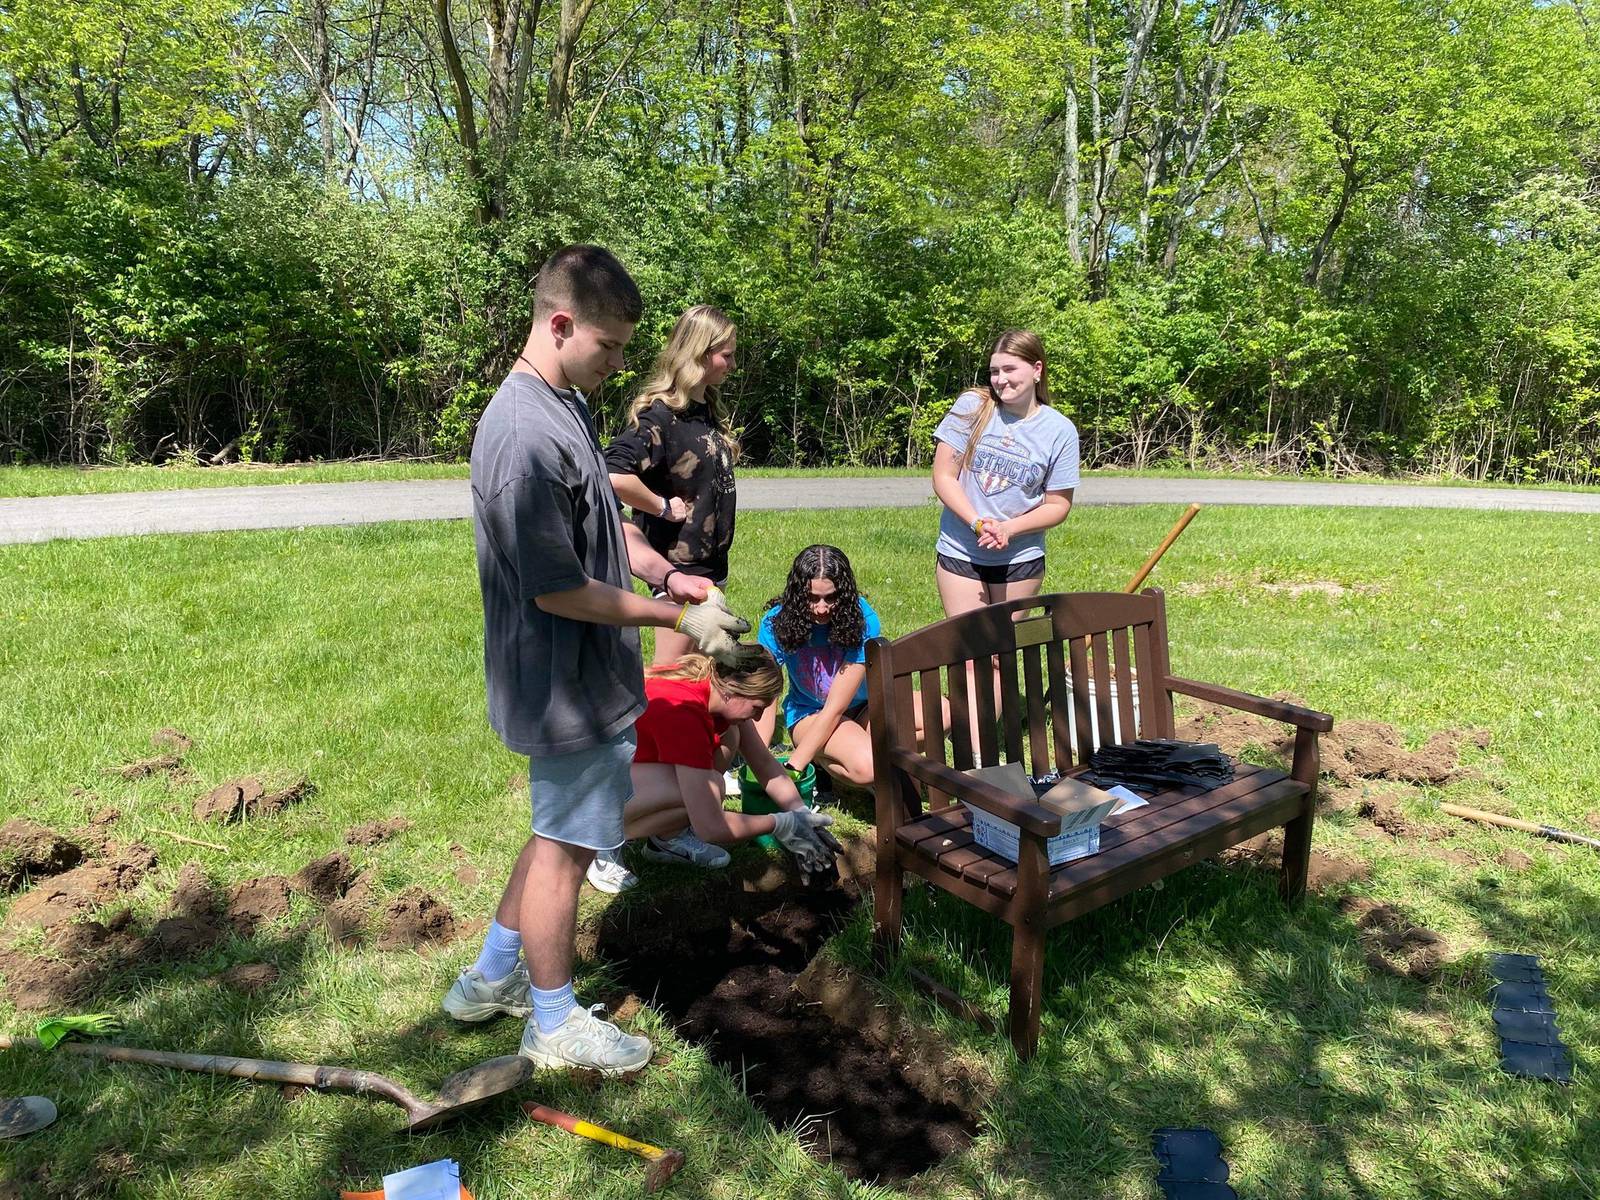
<point>1082,809</point>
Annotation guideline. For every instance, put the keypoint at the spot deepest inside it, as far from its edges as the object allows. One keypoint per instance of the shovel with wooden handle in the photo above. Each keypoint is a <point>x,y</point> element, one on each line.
<point>1544,831</point>
<point>462,1091</point>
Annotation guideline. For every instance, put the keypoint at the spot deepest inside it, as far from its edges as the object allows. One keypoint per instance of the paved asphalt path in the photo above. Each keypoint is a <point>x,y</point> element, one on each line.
<point>280,506</point>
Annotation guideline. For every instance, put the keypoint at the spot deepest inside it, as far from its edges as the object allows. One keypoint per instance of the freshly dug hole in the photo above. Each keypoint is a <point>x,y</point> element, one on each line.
<point>723,964</point>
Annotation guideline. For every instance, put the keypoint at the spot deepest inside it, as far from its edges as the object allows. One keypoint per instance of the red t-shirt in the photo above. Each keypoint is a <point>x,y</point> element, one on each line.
<point>678,726</point>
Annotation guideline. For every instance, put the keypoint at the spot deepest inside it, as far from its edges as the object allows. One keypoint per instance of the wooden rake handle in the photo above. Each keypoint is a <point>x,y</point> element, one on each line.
<point>1172,536</point>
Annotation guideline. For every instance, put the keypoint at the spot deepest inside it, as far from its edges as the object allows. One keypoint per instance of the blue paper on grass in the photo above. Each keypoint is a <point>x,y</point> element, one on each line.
<point>432,1181</point>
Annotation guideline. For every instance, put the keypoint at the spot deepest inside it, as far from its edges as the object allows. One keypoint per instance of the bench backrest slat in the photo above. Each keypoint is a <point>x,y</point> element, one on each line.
<point>1084,657</point>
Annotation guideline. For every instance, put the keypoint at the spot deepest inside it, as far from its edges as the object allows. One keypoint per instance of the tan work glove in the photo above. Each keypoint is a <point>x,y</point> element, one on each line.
<point>714,629</point>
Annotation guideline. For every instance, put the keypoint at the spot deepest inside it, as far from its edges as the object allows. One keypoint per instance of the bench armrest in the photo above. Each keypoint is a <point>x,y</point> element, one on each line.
<point>1273,710</point>
<point>1033,818</point>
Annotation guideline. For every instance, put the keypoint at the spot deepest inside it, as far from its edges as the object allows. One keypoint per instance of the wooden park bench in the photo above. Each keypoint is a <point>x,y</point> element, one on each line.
<point>1075,670</point>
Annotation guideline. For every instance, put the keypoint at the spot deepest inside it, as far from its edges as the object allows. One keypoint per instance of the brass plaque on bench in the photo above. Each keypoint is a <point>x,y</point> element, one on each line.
<point>1035,631</point>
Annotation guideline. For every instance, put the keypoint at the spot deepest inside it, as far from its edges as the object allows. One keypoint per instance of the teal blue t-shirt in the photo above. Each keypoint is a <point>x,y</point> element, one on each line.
<point>812,667</point>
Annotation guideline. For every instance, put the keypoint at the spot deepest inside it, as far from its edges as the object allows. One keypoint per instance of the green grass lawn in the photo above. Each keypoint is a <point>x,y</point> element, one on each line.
<point>18,482</point>
<point>354,656</point>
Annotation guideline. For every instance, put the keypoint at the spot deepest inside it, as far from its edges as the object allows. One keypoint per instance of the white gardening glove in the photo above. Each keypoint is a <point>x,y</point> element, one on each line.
<point>714,629</point>
<point>801,833</point>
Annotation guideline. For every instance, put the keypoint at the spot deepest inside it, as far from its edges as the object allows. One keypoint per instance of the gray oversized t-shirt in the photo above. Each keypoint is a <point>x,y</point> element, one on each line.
<point>545,520</point>
<point>1017,461</point>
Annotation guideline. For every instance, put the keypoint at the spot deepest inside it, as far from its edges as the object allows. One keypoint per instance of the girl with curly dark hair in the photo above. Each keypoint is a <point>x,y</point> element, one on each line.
<point>818,630</point>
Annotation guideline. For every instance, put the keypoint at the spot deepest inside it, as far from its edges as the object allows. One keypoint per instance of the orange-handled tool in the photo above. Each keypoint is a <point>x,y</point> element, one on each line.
<point>664,1164</point>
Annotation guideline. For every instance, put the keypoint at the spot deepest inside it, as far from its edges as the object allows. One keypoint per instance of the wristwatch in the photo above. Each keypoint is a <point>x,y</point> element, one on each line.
<point>666,505</point>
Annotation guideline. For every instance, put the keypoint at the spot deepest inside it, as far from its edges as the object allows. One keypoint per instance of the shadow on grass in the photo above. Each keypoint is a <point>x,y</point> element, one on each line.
<point>1203,1003</point>
<point>1207,1003</point>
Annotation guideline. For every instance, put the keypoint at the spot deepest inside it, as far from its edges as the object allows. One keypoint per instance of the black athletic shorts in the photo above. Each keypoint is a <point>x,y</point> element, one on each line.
<point>1033,568</point>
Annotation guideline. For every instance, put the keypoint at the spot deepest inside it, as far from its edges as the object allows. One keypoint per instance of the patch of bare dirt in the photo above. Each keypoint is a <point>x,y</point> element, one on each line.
<point>1354,750</point>
<point>370,833</point>
<point>1394,945</point>
<point>29,850</point>
<point>60,898</point>
<point>467,875</point>
<point>1514,860</point>
<point>249,977</point>
<point>925,1060</point>
<point>1324,872</point>
<point>1385,812</point>
<point>416,918</point>
<point>247,797</point>
<point>193,918</point>
<point>257,902</point>
<point>324,879</point>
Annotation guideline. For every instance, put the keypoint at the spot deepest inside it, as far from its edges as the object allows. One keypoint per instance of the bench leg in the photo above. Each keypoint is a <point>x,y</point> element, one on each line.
<point>887,896</point>
<point>1027,987</point>
<point>1297,833</point>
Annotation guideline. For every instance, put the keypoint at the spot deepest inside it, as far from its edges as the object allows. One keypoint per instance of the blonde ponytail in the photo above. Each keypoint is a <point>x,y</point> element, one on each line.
<point>754,674</point>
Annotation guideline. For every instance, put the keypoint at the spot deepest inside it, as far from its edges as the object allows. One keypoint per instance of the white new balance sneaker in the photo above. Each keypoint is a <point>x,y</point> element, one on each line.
<point>686,850</point>
<point>608,874</point>
<point>474,998</point>
<point>584,1040</point>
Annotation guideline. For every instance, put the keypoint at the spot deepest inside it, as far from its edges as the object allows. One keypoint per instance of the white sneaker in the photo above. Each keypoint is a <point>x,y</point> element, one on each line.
<point>685,850</point>
<point>608,874</point>
<point>730,783</point>
<point>474,998</point>
<point>584,1040</point>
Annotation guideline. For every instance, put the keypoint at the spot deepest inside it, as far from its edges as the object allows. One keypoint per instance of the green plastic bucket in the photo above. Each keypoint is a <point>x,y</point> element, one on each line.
<point>753,798</point>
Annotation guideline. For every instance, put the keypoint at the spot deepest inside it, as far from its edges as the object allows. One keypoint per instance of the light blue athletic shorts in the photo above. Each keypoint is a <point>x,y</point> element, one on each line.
<point>578,798</point>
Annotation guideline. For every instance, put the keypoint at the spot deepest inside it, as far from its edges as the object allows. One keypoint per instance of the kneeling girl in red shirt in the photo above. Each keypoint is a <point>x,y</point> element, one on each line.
<point>700,714</point>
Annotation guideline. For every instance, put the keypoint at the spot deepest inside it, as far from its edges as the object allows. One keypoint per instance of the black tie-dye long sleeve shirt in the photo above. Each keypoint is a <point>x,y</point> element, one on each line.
<point>682,454</point>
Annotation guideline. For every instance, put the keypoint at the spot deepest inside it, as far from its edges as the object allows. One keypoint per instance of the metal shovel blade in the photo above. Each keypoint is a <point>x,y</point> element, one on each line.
<point>24,1115</point>
<point>470,1088</point>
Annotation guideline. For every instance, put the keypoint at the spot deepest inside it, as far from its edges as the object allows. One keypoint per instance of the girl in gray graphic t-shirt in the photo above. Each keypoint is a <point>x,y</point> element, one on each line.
<point>1005,465</point>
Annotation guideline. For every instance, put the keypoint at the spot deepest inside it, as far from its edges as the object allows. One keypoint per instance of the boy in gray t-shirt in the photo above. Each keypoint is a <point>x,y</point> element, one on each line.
<point>561,651</point>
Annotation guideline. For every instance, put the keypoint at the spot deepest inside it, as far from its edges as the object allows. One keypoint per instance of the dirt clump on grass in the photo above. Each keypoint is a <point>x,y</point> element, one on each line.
<point>29,850</point>
<point>726,971</point>
<point>1385,812</point>
<point>371,833</point>
<point>1514,860</point>
<point>257,902</point>
<point>416,918</point>
<point>174,741</point>
<point>1394,945</point>
<point>346,917</point>
<point>248,797</point>
<point>324,879</point>
<point>249,977</point>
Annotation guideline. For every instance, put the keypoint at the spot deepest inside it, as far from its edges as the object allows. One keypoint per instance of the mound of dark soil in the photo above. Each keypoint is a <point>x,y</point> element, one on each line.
<point>324,879</point>
<point>370,833</point>
<point>725,968</point>
<point>1394,945</point>
<point>347,915</point>
<point>57,900</point>
<point>30,851</point>
<point>416,918</point>
<point>257,902</point>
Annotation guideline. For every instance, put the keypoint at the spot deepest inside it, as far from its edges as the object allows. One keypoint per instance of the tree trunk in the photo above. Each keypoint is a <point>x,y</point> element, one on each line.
<point>322,85</point>
<point>558,97</point>
<point>1072,196</point>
